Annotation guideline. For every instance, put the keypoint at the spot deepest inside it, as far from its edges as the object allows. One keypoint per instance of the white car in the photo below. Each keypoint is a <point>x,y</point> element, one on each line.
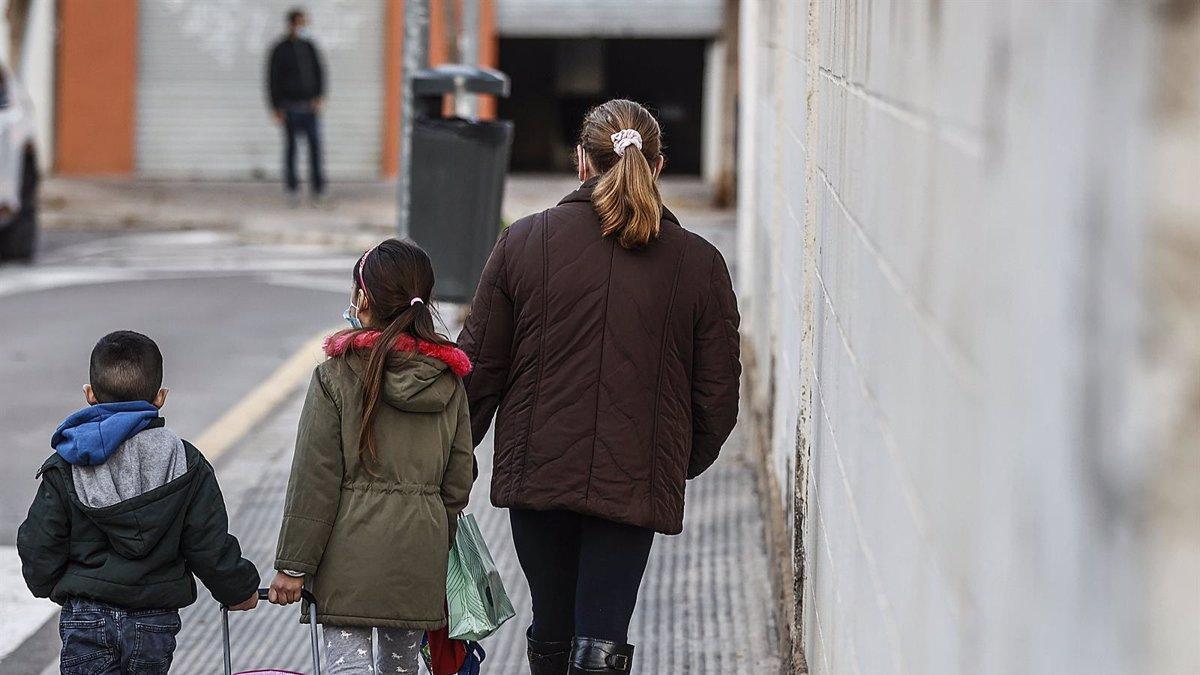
<point>18,171</point>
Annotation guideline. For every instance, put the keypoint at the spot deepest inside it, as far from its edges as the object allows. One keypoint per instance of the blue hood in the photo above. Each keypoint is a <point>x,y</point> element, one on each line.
<point>91,435</point>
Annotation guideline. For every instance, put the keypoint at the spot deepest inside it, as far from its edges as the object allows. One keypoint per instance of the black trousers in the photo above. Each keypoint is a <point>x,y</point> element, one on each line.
<point>296,122</point>
<point>583,572</point>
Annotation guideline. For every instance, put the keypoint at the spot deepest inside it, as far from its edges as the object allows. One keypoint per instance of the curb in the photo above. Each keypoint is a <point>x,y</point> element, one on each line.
<point>126,222</point>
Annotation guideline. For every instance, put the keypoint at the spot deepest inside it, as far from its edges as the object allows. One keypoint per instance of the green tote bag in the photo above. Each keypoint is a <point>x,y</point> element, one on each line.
<point>474,590</point>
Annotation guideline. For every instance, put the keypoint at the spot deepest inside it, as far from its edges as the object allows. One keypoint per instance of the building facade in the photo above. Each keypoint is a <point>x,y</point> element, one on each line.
<point>970,361</point>
<point>169,89</point>
<point>176,90</point>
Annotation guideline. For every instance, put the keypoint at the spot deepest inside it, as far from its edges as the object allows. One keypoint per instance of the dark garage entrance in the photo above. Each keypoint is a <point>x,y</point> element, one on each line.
<point>554,82</point>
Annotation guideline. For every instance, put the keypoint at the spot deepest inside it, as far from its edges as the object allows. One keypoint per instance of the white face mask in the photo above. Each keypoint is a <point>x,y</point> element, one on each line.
<point>305,33</point>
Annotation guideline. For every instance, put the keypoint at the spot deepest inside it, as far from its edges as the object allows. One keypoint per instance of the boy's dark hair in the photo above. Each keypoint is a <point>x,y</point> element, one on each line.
<point>126,366</point>
<point>294,15</point>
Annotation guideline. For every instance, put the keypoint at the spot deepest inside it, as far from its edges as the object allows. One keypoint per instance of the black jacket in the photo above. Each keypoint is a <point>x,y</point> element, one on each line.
<point>294,73</point>
<point>140,553</point>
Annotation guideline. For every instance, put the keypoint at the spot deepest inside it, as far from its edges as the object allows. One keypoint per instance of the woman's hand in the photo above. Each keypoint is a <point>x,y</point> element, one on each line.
<point>285,589</point>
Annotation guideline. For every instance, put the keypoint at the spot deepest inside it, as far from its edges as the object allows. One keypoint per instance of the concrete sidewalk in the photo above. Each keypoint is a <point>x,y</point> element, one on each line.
<point>706,604</point>
<point>356,216</point>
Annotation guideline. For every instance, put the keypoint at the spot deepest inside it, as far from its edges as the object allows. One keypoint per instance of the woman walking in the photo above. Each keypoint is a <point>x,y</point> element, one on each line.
<point>383,467</point>
<point>605,340</point>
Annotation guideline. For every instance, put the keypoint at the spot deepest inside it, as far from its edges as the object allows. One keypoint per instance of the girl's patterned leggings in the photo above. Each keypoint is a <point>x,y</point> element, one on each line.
<point>348,650</point>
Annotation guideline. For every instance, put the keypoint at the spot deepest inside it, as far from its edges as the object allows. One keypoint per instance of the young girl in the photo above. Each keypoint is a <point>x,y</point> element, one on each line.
<point>383,466</point>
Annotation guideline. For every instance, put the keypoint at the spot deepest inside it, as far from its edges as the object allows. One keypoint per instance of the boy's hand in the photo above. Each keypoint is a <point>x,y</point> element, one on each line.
<point>285,589</point>
<point>246,605</point>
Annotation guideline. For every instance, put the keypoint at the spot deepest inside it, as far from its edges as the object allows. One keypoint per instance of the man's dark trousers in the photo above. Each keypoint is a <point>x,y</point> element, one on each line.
<point>296,122</point>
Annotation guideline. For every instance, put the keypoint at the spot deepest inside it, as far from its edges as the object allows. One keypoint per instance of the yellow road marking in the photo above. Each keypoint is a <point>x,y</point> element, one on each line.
<point>256,405</point>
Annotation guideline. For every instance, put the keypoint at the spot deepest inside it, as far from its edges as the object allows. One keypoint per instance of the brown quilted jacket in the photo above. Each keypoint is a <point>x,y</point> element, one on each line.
<point>613,373</point>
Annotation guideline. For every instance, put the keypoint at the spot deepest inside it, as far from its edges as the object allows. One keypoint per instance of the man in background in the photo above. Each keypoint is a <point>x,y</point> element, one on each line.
<point>296,85</point>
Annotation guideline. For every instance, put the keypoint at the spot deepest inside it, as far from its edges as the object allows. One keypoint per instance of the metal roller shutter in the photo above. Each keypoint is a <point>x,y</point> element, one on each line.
<point>202,105</point>
<point>609,18</point>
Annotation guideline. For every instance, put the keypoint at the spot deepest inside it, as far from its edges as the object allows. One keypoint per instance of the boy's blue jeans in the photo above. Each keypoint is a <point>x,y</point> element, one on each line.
<point>99,639</point>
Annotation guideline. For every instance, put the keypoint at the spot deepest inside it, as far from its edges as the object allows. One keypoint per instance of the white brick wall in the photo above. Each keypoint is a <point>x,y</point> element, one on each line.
<point>942,229</point>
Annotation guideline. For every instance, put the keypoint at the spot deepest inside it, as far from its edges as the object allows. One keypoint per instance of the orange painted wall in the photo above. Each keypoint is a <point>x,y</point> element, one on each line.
<point>489,51</point>
<point>393,69</point>
<point>438,49</point>
<point>438,54</point>
<point>97,77</point>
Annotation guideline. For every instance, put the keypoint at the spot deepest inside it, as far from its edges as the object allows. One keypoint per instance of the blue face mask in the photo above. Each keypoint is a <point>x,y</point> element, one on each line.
<point>351,317</point>
<point>305,33</point>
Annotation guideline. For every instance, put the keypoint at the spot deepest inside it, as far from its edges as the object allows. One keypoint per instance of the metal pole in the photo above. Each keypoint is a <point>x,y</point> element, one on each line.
<point>725,193</point>
<point>314,637</point>
<point>225,638</point>
<point>416,57</point>
<point>467,105</point>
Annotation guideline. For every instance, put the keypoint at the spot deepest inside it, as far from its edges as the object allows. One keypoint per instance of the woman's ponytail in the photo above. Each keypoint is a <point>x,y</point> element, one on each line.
<point>623,140</point>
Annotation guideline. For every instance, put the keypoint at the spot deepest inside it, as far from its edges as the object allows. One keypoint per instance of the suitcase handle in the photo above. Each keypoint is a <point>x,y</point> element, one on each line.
<point>314,636</point>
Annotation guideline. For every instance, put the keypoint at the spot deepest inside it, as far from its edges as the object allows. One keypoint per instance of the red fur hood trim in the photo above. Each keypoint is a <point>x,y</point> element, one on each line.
<point>340,343</point>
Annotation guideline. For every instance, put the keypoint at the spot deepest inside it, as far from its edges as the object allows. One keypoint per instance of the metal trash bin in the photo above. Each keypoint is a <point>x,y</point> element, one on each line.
<point>457,178</point>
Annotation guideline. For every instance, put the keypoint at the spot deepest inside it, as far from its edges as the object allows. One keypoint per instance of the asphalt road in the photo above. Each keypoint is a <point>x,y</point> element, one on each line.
<point>224,315</point>
<point>227,316</point>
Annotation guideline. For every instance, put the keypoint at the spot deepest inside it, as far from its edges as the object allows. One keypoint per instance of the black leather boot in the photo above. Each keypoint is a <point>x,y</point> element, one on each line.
<point>547,658</point>
<point>589,655</point>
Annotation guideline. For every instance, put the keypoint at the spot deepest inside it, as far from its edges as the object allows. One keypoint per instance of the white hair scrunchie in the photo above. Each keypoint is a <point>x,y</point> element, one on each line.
<point>625,138</point>
<point>415,301</point>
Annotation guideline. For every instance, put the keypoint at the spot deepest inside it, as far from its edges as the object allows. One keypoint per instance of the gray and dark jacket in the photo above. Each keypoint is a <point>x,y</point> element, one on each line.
<point>133,531</point>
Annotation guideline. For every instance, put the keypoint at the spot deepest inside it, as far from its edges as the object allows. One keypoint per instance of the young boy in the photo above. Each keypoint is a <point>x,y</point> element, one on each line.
<point>126,513</point>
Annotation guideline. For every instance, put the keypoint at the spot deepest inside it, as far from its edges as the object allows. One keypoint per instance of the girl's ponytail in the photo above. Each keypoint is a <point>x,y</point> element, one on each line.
<point>622,139</point>
<point>397,278</point>
<point>372,380</point>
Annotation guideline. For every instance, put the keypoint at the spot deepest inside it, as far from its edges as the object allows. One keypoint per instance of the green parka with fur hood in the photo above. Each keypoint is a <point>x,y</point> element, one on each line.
<point>374,544</point>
